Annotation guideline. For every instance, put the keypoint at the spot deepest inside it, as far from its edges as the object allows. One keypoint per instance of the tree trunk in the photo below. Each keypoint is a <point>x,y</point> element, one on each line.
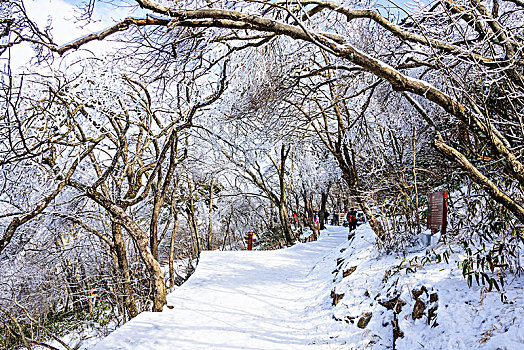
<point>153,229</point>
<point>375,224</point>
<point>193,222</point>
<point>155,272</point>
<point>123,266</point>
<point>210,224</point>
<point>323,203</point>
<point>160,196</point>
<point>282,200</point>
<point>172,250</point>
<point>120,216</point>
<point>480,179</point>
<point>284,221</point>
<point>77,290</point>
<point>227,231</point>
<point>310,216</point>
<point>413,145</point>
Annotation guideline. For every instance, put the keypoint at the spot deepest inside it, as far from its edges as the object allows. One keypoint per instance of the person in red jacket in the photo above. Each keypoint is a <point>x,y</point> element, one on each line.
<point>352,219</point>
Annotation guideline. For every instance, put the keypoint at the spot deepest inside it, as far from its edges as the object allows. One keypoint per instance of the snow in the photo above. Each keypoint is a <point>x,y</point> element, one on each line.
<point>282,300</point>
<point>246,300</point>
<point>465,317</point>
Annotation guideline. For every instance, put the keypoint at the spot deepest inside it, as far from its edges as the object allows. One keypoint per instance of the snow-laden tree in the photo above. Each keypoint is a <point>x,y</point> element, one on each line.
<point>309,84</point>
<point>94,132</point>
<point>418,55</point>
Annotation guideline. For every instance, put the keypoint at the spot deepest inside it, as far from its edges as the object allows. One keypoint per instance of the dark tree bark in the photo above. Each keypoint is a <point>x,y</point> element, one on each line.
<point>323,203</point>
<point>123,266</point>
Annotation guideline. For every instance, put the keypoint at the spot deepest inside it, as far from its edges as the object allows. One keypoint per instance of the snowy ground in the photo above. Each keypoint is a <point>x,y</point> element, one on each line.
<point>283,300</point>
<point>247,300</point>
<point>461,317</point>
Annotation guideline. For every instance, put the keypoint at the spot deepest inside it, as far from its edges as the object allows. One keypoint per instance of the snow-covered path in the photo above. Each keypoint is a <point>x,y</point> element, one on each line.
<point>247,300</point>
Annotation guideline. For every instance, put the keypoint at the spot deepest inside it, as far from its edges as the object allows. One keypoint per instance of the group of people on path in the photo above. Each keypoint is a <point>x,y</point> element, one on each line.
<point>352,216</point>
<point>300,218</point>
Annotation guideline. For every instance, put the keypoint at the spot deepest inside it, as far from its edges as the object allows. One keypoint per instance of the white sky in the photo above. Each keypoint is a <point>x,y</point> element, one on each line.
<point>66,27</point>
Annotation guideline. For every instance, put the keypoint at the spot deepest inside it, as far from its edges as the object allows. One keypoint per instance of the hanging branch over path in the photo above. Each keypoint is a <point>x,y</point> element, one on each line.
<point>453,154</point>
<point>506,58</point>
<point>222,18</point>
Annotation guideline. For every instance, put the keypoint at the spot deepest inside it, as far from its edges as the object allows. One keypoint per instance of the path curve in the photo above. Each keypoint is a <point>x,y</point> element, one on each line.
<point>246,300</point>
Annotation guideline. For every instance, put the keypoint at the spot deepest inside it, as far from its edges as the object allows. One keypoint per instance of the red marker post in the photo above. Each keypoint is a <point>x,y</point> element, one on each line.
<point>249,240</point>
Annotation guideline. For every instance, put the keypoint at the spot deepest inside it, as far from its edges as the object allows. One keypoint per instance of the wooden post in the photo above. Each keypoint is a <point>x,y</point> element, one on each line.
<point>445,213</point>
<point>438,212</point>
<point>249,241</point>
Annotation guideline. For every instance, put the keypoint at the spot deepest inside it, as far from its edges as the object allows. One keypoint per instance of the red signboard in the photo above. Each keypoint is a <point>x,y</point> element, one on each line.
<point>438,212</point>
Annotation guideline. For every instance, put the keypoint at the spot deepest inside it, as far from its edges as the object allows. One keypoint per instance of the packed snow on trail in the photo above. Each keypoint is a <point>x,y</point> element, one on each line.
<point>328,294</point>
<point>276,299</point>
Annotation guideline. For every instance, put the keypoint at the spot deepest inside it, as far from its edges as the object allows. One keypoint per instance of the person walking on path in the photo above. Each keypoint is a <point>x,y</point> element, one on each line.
<point>352,220</point>
<point>334,220</point>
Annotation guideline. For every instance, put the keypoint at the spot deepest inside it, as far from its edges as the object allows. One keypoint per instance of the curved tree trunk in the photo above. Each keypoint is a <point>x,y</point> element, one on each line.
<point>155,272</point>
<point>120,216</point>
<point>375,224</point>
<point>153,231</point>
<point>491,188</point>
